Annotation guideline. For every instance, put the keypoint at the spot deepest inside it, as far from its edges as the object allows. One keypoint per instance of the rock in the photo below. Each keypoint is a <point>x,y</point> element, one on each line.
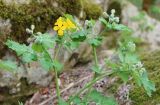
<point>146,28</point>
<point>7,79</point>
<point>37,75</point>
<point>5,30</point>
<point>17,2</point>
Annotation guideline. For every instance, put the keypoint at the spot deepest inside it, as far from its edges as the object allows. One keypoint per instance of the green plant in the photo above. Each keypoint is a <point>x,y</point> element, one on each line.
<point>70,35</point>
<point>20,103</point>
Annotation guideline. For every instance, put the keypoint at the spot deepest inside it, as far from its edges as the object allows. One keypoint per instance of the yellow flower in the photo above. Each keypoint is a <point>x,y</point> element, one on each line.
<point>69,24</point>
<point>59,26</point>
<point>62,24</point>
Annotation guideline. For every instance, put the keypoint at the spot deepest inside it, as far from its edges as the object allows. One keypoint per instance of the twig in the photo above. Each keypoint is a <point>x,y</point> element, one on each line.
<point>65,89</point>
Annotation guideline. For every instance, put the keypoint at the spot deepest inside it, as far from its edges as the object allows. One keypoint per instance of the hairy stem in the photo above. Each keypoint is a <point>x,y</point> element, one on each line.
<point>57,85</point>
<point>96,64</point>
<point>95,56</point>
<point>56,73</point>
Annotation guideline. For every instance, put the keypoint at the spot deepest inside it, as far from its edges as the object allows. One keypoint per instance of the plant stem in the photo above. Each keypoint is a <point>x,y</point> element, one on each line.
<point>96,64</point>
<point>57,85</point>
<point>57,51</point>
<point>56,73</point>
<point>95,56</point>
<point>95,78</point>
<point>91,83</point>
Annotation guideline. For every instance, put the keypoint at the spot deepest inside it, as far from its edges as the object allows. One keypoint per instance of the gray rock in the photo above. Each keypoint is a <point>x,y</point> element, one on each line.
<point>9,2</point>
<point>146,28</point>
<point>37,75</point>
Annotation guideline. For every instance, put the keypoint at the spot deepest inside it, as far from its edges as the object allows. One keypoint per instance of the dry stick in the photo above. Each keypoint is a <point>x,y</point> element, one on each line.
<point>83,89</point>
<point>92,82</point>
<point>65,89</point>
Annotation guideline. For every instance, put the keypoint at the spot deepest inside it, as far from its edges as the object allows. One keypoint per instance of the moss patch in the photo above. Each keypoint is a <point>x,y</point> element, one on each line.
<point>92,10</point>
<point>152,64</point>
<point>24,15</point>
<point>70,6</point>
<point>42,15</point>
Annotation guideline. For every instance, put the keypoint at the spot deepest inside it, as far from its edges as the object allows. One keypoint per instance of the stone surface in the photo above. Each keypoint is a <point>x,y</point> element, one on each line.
<point>146,28</point>
<point>10,2</point>
<point>5,30</point>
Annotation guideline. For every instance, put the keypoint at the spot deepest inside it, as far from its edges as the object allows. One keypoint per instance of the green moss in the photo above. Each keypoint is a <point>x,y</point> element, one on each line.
<point>92,10</point>
<point>70,6</point>
<point>42,15</point>
<point>152,64</point>
<point>24,15</point>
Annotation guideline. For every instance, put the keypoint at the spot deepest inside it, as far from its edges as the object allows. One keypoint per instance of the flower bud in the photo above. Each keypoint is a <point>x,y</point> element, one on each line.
<point>142,70</point>
<point>117,19</point>
<point>32,27</point>
<point>113,11</point>
<point>139,65</point>
<point>86,22</point>
<point>29,31</point>
<point>131,46</point>
<point>105,15</point>
<point>39,33</point>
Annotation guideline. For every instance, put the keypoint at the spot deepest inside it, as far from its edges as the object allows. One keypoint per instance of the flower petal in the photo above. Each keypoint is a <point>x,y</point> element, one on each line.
<point>56,28</point>
<point>60,32</point>
<point>60,23</point>
<point>63,27</point>
<point>70,24</point>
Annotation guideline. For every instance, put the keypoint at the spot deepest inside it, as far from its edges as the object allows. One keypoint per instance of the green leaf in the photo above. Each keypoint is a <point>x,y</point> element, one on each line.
<point>121,27</point>
<point>37,47</point>
<point>78,36</point>
<point>46,40</point>
<point>46,61</point>
<point>22,50</point>
<point>72,45</point>
<point>124,75</point>
<point>95,42</point>
<point>147,84</point>
<point>20,103</point>
<point>136,77</point>
<point>8,65</point>
<point>103,20</point>
<point>70,17</point>
<point>29,57</point>
<point>101,99</point>
<point>111,64</point>
<point>62,102</point>
<point>96,69</point>
<point>57,65</point>
<point>18,48</point>
<point>131,58</point>
<point>77,101</point>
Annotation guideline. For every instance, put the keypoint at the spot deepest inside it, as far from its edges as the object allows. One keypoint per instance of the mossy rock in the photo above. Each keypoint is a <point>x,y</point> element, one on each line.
<point>42,15</point>
<point>26,92</point>
<point>152,64</point>
<point>92,10</point>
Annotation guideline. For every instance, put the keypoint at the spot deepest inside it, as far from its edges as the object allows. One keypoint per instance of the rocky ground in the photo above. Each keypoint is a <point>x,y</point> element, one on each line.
<point>38,84</point>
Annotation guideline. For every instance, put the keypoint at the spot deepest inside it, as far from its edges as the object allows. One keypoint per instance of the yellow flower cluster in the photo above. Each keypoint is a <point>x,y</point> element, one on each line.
<point>63,24</point>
